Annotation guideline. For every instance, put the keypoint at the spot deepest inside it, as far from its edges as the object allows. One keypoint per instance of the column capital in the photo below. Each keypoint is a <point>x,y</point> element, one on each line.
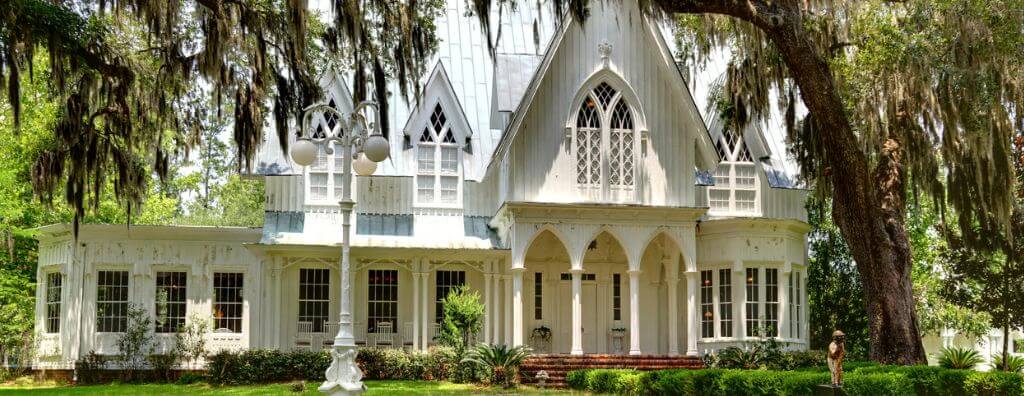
<point>576,270</point>
<point>634,272</point>
<point>505,277</point>
<point>517,270</point>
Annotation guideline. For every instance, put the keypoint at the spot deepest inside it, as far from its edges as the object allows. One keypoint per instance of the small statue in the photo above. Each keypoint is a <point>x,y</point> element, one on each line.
<point>836,351</point>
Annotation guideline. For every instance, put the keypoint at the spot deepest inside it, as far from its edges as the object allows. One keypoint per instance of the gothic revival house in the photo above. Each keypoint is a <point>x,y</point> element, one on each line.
<point>570,180</point>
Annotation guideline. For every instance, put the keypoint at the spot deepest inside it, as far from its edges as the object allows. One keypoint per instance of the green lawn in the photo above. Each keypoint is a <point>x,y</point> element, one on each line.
<point>373,388</point>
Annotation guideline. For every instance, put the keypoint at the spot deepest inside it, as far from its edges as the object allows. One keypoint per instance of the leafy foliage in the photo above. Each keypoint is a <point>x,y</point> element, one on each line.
<point>190,339</point>
<point>1007,362</point>
<point>959,358</point>
<point>500,361</point>
<point>17,307</point>
<point>135,344</point>
<point>463,317</point>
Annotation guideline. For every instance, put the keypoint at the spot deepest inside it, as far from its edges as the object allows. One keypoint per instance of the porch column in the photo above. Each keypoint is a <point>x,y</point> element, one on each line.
<point>424,323</point>
<point>673,315</point>
<point>693,317</point>
<point>739,293</point>
<point>517,307</point>
<point>577,312</point>
<point>507,280</point>
<point>634,312</point>
<point>415,309</point>
<point>488,307</point>
<point>783,293</point>
<point>496,315</point>
<point>276,337</point>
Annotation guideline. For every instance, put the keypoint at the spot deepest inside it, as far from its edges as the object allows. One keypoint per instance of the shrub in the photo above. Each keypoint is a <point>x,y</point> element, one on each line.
<point>163,366</point>
<point>959,358</point>
<point>264,366</point>
<point>383,363</point>
<point>880,384</point>
<point>500,362</point>
<point>463,317</point>
<point>190,339</point>
<point>135,344</point>
<point>994,383</point>
<point>576,379</point>
<point>189,378</point>
<point>88,368</point>
<point>1011,363</point>
<point>739,382</point>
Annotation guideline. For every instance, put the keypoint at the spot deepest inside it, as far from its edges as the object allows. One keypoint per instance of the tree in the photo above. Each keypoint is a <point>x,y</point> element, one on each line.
<point>125,72</point>
<point>986,268</point>
<point>135,344</point>
<point>884,84</point>
<point>463,317</point>
<point>17,303</point>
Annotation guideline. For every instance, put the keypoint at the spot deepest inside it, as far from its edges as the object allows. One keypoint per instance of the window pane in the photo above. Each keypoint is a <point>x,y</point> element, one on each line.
<point>446,282</point>
<point>339,185</point>
<point>449,189</point>
<point>707,316</point>
<point>425,158</point>
<point>771,304</point>
<point>54,283</point>
<point>382,301</point>
<point>745,176</point>
<point>227,301</point>
<point>616,297</point>
<point>171,302</point>
<point>318,186</point>
<point>538,295</point>
<point>753,298</point>
<point>314,297</point>
<point>449,160</point>
<point>321,158</point>
<point>725,302</point>
<point>722,175</point>
<point>112,301</point>
<point>745,200</point>
<point>425,188</point>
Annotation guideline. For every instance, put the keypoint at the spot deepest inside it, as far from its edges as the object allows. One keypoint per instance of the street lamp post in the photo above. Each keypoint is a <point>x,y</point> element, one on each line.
<point>354,133</point>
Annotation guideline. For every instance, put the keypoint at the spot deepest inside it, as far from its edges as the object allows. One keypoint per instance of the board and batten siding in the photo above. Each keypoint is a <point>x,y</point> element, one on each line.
<point>542,153</point>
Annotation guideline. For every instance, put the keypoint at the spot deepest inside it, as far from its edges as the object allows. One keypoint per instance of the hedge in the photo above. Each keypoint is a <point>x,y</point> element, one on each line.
<point>866,380</point>
<point>267,366</point>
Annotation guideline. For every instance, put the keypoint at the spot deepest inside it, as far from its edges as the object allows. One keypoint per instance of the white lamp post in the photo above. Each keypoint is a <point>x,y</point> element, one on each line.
<point>351,135</point>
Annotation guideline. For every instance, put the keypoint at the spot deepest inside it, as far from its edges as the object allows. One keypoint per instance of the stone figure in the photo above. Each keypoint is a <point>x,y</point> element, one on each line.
<point>836,351</point>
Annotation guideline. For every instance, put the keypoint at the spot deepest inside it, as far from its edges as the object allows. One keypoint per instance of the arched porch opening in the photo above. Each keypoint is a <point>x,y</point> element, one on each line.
<point>545,259</point>
<point>662,296</point>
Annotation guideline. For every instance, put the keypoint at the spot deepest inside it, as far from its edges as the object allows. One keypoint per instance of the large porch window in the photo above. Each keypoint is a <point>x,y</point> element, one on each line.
<point>314,297</point>
<point>771,302</point>
<point>112,301</point>
<point>170,301</point>
<point>538,295</point>
<point>227,301</point>
<point>795,304</point>
<point>753,302</point>
<point>725,302</point>
<point>382,299</point>
<point>446,282</point>
<point>54,282</point>
<point>707,304</point>
<point>616,296</point>
<point>716,303</point>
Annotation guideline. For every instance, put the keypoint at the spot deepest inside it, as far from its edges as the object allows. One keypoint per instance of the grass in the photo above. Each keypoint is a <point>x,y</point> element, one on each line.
<point>373,388</point>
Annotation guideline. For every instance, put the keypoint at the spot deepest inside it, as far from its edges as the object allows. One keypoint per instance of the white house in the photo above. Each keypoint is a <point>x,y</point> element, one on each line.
<point>570,180</point>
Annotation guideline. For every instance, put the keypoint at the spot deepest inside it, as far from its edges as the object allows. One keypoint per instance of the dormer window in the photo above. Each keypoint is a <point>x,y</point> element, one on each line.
<point>438,177</point>
<point>735,189</point>
<point>324,179</point>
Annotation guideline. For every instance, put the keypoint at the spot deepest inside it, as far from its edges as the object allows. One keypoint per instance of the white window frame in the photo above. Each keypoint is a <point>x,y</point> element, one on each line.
<point>328,165</point>
<point>242,304</point>
<point>324,317</point>
<point>762,301</point>
<point>716,304</point>
<point>796,303</point>
<point>603,189</point>
<point>371,299</point>
<point>726,176</point>
<point>156,303</point>
<point>127,301</point>
<point>56,305</point>
<point>437,147</point>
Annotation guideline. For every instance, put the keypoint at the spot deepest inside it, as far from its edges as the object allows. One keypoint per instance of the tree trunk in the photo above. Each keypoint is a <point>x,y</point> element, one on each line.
<point>1006,348</point>
<point>867,204</point>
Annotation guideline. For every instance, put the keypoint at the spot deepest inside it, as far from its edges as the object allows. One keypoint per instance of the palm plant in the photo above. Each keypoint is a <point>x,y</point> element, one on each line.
<point>500,361</point>
<point>959,358</point>
<point>1008,362</point>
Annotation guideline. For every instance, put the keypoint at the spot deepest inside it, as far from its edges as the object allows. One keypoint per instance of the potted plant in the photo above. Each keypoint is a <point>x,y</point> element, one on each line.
<point>542,333</point>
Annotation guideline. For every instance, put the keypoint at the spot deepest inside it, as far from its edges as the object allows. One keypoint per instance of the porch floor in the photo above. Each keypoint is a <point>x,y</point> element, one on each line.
<point>558,365</point>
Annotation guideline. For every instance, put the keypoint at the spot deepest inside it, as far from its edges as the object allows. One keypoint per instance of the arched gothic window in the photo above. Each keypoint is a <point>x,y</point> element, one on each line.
<point>735,189</point>
<point>605,144</point>
<point>324,177</point>
<point>437,162</point>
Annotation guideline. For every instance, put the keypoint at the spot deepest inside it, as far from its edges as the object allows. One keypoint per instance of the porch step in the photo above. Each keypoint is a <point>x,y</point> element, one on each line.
<point>557,366</point>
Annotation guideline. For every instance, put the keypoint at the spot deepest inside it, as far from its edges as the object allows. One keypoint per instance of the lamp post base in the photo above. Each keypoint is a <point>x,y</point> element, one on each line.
<point>343,376</point>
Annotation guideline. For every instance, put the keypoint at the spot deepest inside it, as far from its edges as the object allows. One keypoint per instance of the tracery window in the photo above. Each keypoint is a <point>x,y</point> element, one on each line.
<point>604,143</point>
<point>325,177</point>
<point>735,189</point>
<point>437,162</point>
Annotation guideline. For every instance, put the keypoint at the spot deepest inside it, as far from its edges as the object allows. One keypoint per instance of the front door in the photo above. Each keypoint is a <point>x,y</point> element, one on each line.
<point>590,330</point>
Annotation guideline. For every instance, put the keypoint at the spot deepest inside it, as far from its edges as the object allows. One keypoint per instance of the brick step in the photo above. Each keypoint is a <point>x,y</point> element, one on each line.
<point>558,366</point>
